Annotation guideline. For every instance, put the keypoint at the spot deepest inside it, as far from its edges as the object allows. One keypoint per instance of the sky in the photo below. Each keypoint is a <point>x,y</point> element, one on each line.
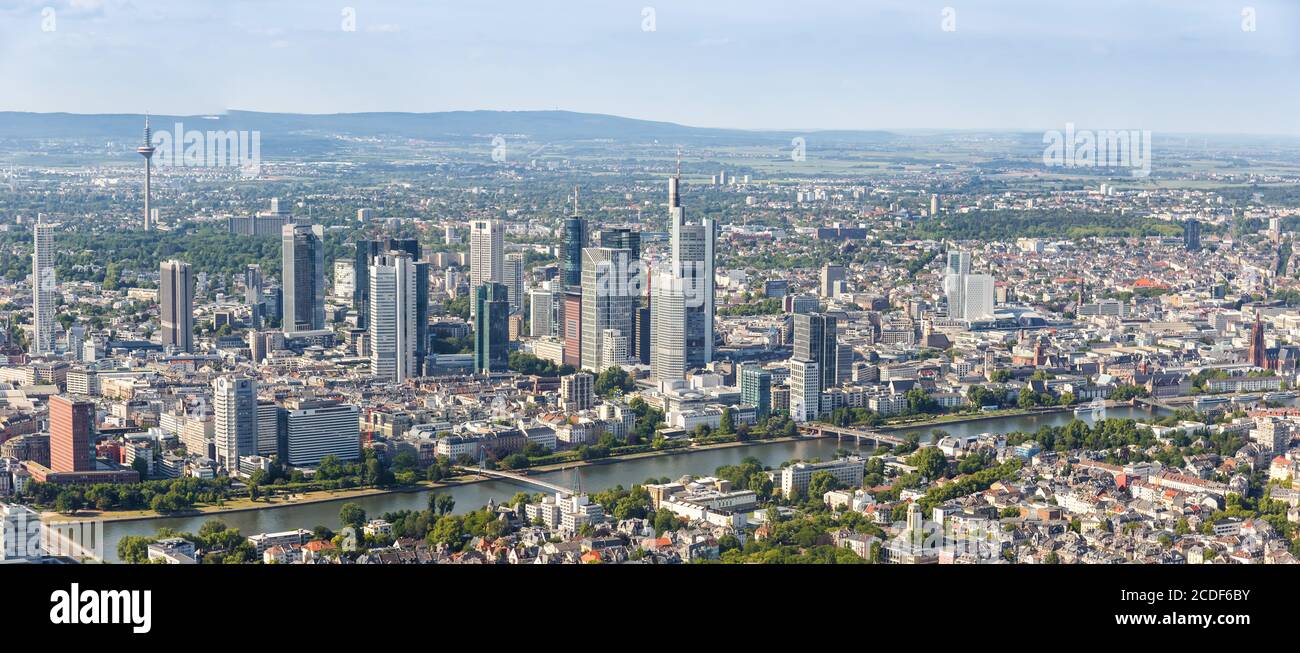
<point>1188,66</point>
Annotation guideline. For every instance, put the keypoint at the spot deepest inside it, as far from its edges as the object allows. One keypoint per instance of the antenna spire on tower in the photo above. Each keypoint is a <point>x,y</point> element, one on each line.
<point>575,199</point>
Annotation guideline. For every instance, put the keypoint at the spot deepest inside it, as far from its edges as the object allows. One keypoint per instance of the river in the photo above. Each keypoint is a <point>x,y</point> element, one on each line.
<point>473,496</point>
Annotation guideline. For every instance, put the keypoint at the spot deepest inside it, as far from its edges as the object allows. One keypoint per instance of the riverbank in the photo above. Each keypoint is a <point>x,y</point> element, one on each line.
<point>326,496</point>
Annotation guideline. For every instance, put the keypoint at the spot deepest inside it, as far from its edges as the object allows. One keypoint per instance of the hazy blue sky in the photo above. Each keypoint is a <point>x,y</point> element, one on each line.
<point>1164,65</point>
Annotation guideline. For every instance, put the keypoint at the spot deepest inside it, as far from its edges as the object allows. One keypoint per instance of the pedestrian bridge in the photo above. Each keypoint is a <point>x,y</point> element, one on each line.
<point>520,478</point>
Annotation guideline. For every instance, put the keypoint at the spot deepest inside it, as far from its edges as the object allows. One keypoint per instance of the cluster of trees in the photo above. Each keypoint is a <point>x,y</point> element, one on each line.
<point>526,363</point>
<point>613,380</point>
<point>164,497</point>
<point>804,539</point>
<point>215,543</point>
<point>748,474</point>
<point>761,307</point>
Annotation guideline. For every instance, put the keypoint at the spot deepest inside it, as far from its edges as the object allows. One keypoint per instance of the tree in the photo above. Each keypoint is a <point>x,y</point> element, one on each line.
<point>727,425</point>
<point>612,380</point>
<point>929,462</point>
<point>352,515</point>
<point>821,483</point>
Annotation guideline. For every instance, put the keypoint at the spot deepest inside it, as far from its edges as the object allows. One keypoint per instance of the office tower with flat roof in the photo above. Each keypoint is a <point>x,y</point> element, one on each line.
<point>235,432</point>
<point>576,392</point>
<point>622,238</point>
<point>830,275</point>
<point>491,328</point>
<point>640,340</point>
<point>514,280</point>
<point>392,332</point>
<point>44,285</point>
<point>805,390</point>
<point>176,305</point>
<point>667,328</point>
<point>316,428</point>
<point>71,431</point>
<point>756,389</point>
<point>1192,235</point>
<point>571,324</point>
<point>541,313</point>
<point>486,252</point>
<point>608,301</point>
<point>303,276</point>
<point>816,339</point>
<point>268,429</point>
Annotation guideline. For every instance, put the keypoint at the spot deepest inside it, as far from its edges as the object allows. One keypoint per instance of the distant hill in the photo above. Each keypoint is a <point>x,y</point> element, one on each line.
<point>549,126</point>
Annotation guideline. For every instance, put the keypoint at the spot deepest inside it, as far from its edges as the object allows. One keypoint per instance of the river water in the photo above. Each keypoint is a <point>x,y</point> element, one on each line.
<point>593,478</point>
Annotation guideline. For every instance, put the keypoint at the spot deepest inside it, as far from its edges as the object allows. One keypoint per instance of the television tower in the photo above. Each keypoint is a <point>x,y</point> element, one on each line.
<point>147,151</point>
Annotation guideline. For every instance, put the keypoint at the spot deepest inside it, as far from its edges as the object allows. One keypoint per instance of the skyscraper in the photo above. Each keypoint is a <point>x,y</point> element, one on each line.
<point>235,419</point>
<point>393,332</point>
<point>831,274</point>
<point>514,280</point>
<point>1192,235</point>
<point>756,389</point>
<point>622,238</point>
<point>575,240</point>
<point>253,283</point>
<point>805,390</point>
<point>571,325</point>
<point>365,254</point>
<point>683,293</point>
<point>541,313</point>
<point>303,272</point>
<point>44,284</point>
<point>667,328</point>
<point>71,425</point>
<point>607,301</point>
<point>486,252</point>
<point>491,329</point>
<point>176,304</point>
<point>146,150</point>
<point>816,339</point>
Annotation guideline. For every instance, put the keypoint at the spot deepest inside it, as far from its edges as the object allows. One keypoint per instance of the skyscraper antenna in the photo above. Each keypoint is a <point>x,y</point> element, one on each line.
<point>679,163</point>
<point>575,199</point>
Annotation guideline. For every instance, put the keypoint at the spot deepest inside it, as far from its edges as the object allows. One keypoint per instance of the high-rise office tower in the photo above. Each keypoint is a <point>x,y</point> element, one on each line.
<point>934,204</point>
<point>253,283</point>
<point>622,238</point>
<point>146,150</point>
<point>571,326</point>
<point>486,252</point>
<point>805,390</point>
<point>693,262</point>
<point>234,402</point>
<point>640,341</point>
<point>303,272</point>
<point>977,297</point>
<point>541,313</point>
<point>607,300</point>
<point>575,240</point>
<point>176,304</point>
<point>491,328</point>
<point>816,339</point>
<point>268,428</point>
<point>1192,235</point>
<point>667,328</point>
<point>71,427</point>
<point>514,280</point>
<point>393,333</point>
<point>365,254</point>
<point>831,274</point>
<point>756,389</point>
<point>685,289</point>
<point>44,285</point>
<point>316,428</point>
